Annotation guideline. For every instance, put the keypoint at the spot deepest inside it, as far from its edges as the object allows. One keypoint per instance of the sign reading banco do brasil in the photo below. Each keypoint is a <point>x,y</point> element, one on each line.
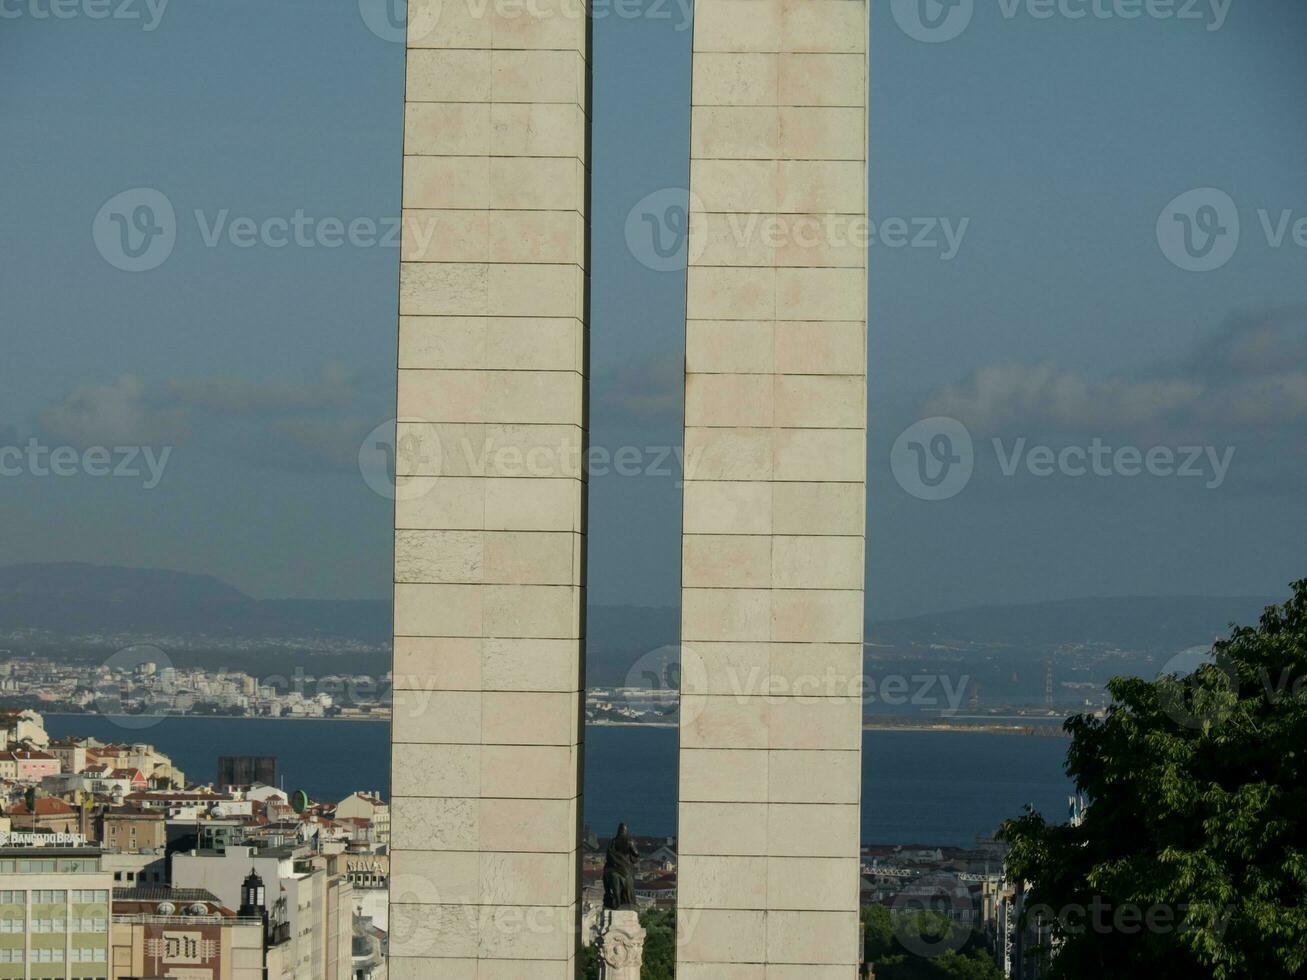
<point>14,838</point>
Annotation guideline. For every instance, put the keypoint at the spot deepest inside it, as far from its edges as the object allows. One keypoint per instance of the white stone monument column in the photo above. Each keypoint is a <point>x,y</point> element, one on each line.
<point>620,942</point>
<point>772,574</point>
<point>489,540</point>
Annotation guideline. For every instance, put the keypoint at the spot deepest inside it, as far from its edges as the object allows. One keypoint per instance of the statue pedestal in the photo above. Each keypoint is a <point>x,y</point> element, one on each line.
<point>620,942</point>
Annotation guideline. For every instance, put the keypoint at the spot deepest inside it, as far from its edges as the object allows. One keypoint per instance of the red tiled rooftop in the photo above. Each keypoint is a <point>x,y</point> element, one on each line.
<point>47,806</point>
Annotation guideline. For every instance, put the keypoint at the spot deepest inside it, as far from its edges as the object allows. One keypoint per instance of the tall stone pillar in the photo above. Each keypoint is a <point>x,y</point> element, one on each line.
<point>620,942</point>
<point>489,539</point>
<point>772,574</point>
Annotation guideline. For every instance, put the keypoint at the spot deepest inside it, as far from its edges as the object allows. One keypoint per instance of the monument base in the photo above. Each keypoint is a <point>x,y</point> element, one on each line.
<point>619,939</point>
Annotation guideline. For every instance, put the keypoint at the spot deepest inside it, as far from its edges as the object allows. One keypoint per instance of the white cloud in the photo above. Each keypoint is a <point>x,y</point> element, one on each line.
<point>317,443</point>
<point>116,414</point>
<point>283,423</point>
<point>648,389</point>
<point>236,396</point>
<point>1252,372</point>
<point>999,396</point>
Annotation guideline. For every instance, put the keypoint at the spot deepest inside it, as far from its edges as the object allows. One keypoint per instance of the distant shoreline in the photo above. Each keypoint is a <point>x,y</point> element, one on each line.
<point>158,718</point>
<point>987,728</point>
<point>605,723</point>
<point>1030,730</point>
<point>1034,731</point>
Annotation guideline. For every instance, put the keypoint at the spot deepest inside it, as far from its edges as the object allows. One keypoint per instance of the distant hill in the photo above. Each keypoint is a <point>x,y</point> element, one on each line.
<point>67,599</point>
<point>620,635</point>
<point>73,599</point>
<point>80,582</point>
<point>1133,622</point>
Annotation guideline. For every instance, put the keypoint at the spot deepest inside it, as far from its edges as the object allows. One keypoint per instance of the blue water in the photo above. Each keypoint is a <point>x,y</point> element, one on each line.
<point>328,759</point>
<point>917,787</point>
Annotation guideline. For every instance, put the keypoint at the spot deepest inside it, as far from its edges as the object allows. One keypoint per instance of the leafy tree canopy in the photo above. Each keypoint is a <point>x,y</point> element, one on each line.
<point>965,955</point>
<point>1191,860</point>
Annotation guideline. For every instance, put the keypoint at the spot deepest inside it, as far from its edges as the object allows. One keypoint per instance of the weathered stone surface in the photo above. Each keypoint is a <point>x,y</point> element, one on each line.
<point>773,554</point>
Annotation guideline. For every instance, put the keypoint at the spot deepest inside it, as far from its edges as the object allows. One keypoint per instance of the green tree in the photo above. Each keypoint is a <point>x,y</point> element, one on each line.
<point>1191,860</point>
<point>878,934</point>
<point>659,944</point>
<point>966,955</point>
<point>589,963</point>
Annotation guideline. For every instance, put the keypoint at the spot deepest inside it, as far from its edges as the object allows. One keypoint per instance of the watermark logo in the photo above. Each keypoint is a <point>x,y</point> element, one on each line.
<point>299,229</point>
<point>933,21</point>
<point>927,232</point>
<point>1197,691</point>
<point>933,459</point>
<point>118,670</point>
<point>397,459</point>
<point>136,230</point>
<point>423,918</point>
<point>658,230</point>
<point>672,679</point>
<point>655,681</point>
<point>395,20</point>
<point>399,20</point>
<point>414,908</point>
<point>1199,230</point>
<point>120,462</point>
<point>384,453</point>
<point>1103,918</point>
<point>1099,459</point>
<point>930,935</point>
<point>670,229</point>
<point>148,12</point>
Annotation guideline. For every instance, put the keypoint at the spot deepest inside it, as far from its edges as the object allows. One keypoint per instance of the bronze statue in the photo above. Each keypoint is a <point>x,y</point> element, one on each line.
<point>619,871</point>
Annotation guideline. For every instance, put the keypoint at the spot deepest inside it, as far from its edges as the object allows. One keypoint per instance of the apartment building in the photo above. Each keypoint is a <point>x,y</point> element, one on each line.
<point>370,807</point>
<point>54,910</point>
<point>48,815</point>
<point>310,908</point>
<point>131,830</point>
<point>71,753</point>
<point>184,932</point>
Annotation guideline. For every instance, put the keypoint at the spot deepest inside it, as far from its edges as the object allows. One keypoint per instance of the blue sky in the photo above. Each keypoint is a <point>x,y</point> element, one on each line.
<point>1058,321</point>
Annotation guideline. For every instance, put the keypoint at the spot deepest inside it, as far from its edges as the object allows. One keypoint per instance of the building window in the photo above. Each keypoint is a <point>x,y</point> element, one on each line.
<point>11,955</point>
<point>13,897</point>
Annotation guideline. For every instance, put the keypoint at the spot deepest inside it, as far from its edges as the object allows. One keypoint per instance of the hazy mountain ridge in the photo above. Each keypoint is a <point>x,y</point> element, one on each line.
<point>79,581</point>
<point>76,599</point>
<point>1134,622</point>
<point>68,600</point>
